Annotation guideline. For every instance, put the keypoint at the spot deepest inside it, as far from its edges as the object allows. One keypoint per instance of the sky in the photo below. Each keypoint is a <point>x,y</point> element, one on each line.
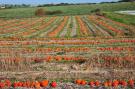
<point>50,1</point>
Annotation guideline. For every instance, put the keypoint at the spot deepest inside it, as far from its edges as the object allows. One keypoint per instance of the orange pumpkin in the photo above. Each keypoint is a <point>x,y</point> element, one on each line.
<point>91,83</point>
<point>131,82</point>
<point>44,83</point>
<point>58,58</point>
<point>49,58</point>
<point>83,82</point>
<point>115,83</point>
<point>78,81</point>
<point>28,83</point>
<point>24,84</point>
<point>97,83</point>
<point>123,83</point>
<point>7,83</point>
<point>32,84</point>
<point>105,84</point>
<point>109,83</point>
<point>15,84</point>
<point>2,85</point>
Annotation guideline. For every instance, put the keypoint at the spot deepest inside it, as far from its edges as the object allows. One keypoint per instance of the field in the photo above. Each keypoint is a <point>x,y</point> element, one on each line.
<point>68,10</point>
<point>67,48</point>
<point>123,18</point>
<point>76,50</point>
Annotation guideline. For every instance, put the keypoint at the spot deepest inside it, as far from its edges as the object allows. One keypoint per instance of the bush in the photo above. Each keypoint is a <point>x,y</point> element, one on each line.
<point>95,11</point>
<point>53,12</point>
<point>40,12</point>
<point>98,12</point>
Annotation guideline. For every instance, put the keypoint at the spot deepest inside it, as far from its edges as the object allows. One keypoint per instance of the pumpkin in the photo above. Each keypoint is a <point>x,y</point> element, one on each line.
<point>2,85</point>
<point>97,83</point>
<point>7,83</point>
<point>54,84</point>
<point>83,82</point>
<point>58,58</point>
<point>78,81</point>
<point>123,83</point>
<point>32,84</point>
<point>49,58</point>
<point>131,82</point>
<point>109,83</point>
<point>44,83</point>
<point>105,84</point>
<point>24,84</point>
<point>115,83</point>
<point>92,83</point>
<point>15,84</point>
<point>28,83</point>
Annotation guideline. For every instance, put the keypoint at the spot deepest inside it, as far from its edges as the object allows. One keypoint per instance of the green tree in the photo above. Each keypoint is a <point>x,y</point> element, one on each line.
<point>127,0</point>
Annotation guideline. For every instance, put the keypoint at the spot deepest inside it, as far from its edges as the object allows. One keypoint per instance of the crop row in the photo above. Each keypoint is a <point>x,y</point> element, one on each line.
<point>53,84</point>
<point>81,26</point>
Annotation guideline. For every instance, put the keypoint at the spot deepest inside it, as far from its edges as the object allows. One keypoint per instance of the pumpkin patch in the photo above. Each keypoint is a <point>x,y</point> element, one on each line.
<point>80,51</point>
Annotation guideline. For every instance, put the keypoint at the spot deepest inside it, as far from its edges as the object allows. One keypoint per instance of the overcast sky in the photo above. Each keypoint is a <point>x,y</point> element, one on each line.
<point>50,1</point>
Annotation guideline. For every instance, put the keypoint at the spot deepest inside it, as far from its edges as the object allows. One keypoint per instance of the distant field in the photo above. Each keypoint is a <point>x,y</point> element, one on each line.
<point>68,10</point>
<point>123,18</point>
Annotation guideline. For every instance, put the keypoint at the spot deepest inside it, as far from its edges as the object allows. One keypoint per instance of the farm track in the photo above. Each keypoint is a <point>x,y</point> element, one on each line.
<point>74,28</point>
<point>71,74</point>
<point>65,30</point>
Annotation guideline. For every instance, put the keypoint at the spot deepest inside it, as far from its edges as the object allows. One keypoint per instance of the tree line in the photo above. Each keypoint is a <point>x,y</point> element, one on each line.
<point>59,4</point>
<point>8,6</point>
